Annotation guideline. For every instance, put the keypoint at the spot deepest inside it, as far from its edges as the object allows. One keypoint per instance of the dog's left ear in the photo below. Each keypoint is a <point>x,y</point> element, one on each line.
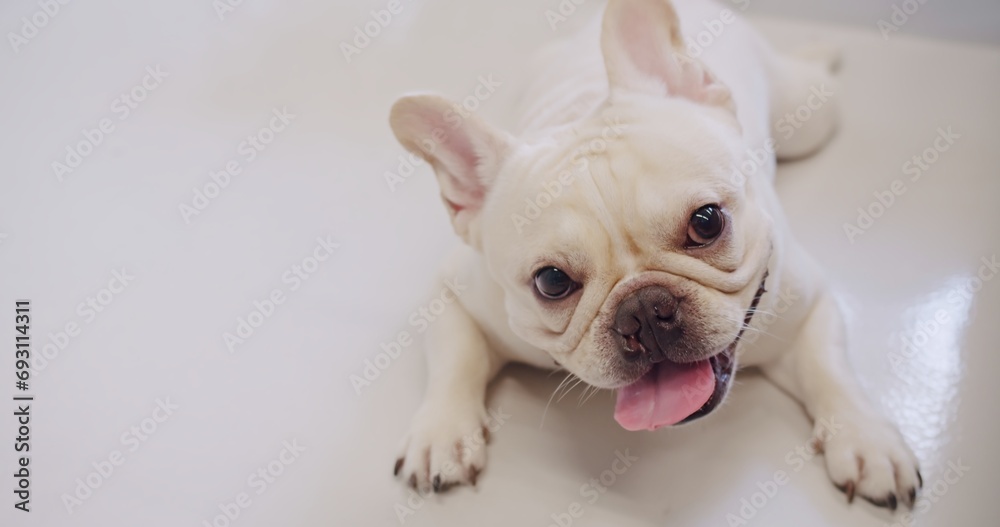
<point>643,51</point>
<point>465,152</point>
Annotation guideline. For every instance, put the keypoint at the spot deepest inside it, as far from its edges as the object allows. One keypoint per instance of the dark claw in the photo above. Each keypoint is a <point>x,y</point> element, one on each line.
<point>913,497</point>
<point>446,486</point>
<point>399,465</point>
<point>473,475</point>
<point>413,481</point>
<point>889,502</point>
<point>437,483</point>
<point>920,480</point>
<point>486,435</point>
<point>848,489</point>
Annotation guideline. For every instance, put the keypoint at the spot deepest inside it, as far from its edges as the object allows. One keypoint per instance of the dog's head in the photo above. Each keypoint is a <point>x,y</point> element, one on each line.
<point>624,245</point>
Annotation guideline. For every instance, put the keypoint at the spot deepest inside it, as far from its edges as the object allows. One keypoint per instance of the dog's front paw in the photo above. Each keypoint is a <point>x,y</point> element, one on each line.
<point>869,458</point>
<point>446,446</point>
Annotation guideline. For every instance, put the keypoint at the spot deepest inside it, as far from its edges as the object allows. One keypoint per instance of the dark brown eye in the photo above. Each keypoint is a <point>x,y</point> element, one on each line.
<point>705,226</point>
<point>552,283</point>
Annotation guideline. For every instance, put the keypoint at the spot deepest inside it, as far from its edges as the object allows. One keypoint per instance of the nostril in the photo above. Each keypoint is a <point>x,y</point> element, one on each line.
<point>664,313</point>
<point>627,325</point>
<point>658,304</point>
<point>645,322</point>
<point>633,349</point>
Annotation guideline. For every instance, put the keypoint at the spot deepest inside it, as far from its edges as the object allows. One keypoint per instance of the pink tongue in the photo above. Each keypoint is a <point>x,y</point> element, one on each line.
<point>665,396</point>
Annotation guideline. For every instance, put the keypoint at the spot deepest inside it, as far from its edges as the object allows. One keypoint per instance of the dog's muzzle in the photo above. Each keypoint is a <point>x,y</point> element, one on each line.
<point>672,390</point>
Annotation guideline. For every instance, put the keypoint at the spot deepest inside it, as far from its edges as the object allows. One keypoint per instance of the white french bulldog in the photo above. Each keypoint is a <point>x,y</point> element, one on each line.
<point>629,232</point>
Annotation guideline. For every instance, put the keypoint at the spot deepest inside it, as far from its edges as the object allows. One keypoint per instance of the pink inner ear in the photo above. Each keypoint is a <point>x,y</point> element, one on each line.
<point>646,41</point>
<point>643,45</point>
<point>451,147</point>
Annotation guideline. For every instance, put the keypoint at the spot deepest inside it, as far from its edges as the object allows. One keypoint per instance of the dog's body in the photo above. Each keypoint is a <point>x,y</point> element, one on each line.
<point>577,254</point>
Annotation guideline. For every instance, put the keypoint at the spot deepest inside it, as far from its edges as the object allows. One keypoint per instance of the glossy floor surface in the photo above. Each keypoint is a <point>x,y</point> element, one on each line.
<point>146,413</point>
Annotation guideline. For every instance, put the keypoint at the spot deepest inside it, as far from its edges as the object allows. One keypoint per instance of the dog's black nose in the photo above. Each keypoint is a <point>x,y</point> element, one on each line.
<point>647,321</point>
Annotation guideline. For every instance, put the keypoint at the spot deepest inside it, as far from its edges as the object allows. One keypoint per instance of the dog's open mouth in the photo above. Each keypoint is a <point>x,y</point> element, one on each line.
<point>671,393</point>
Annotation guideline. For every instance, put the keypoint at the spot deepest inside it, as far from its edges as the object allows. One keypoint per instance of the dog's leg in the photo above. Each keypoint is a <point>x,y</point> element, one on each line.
<point>865,454</point>
<point>446,443</point>
<point>803,99</point>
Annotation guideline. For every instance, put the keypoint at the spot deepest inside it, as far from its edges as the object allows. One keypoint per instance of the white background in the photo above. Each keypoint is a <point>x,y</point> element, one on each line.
<point>162,337</point>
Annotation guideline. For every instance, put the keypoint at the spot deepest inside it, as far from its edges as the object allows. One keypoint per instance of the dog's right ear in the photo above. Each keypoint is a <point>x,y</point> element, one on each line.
<point>644,51</point>
<point>465,152</point>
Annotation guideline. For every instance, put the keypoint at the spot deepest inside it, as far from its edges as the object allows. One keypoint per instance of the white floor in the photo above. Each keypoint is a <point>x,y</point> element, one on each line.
<point>161,336</point>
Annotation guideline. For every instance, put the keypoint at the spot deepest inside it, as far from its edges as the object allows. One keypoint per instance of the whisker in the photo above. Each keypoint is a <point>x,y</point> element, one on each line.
<point>570,389</point>
<point>747,327</point>
<point>555,371</point>
<point>592,393</point>
<point>568,376</point>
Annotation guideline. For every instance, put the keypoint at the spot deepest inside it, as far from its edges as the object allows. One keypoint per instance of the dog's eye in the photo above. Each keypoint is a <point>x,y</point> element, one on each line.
<point>553,283</point>
<point>705,226</point>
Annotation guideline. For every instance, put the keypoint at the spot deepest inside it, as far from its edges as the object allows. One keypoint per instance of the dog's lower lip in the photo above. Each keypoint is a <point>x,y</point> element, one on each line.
<point>722,365</point>
<point>724,362</point>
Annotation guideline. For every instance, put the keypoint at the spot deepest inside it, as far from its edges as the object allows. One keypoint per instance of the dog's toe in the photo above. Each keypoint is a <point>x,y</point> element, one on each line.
<point>872,461</point>
<point>848,489</point>
<point>456,463</point>
<point>444,448</point>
